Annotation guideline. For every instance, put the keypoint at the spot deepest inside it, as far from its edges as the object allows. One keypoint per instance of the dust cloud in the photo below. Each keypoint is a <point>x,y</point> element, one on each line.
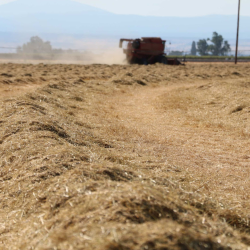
<point>93,50</point>
<point>74,51</point>
<point>114,56</point>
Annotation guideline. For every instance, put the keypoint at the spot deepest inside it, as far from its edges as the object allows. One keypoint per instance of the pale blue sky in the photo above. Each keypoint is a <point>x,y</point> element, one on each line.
<point>172,7</point>
<point>168,7</point>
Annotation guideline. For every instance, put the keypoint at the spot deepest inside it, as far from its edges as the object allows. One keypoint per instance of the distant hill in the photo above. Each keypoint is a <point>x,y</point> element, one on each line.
<point>69,17</point>
<point>51,16</point>
<point>24,7</point>
<point>57,18</point>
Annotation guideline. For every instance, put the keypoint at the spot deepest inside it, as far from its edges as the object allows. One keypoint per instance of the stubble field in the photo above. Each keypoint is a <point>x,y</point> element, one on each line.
<point>120,157</point>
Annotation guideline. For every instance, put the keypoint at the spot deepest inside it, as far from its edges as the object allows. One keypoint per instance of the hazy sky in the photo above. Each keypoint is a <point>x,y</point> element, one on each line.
<point>172,7</point>
<point>168,7</point>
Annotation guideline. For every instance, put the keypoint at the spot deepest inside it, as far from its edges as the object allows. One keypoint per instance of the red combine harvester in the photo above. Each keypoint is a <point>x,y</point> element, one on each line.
<point>147,50</point>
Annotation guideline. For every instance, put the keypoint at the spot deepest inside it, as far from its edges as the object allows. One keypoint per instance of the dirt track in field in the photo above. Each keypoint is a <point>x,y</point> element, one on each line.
<point>217,157</point>
<point>124,157</point>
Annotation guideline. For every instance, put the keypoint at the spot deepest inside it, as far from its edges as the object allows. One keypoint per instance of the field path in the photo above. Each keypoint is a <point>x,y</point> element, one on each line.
<point>216,159</point>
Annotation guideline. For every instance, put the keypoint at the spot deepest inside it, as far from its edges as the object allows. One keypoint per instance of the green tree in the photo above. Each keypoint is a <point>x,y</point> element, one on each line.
<point>193,49</point>
<point>219,47</point>
<point>202,47</point>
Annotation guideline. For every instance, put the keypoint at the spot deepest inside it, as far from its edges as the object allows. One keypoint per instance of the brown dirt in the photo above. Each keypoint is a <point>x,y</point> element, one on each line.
<point>124,157</point>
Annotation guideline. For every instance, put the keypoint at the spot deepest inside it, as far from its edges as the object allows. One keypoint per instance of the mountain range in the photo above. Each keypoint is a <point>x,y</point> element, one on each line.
<point>69,17</point>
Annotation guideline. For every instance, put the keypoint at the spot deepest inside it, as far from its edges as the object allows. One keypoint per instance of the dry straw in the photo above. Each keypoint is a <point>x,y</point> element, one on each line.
<point>124,157</point>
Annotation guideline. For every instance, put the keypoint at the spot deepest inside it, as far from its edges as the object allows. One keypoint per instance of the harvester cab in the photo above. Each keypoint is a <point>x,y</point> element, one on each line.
<point>147,50</point>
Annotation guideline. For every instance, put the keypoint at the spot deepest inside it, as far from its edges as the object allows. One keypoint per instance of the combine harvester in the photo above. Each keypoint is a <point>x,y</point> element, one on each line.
<point>147,50</point>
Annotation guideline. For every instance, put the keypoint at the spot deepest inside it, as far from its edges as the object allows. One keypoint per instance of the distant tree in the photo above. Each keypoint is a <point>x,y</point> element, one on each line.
<point>193,49</point>
<point>219,47</point>
<point>202,47</point>
<point>35,45</point>
<point>226,48</point>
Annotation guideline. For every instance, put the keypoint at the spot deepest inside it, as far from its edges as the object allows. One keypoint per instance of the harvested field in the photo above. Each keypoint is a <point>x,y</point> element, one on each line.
<point>124,157</point>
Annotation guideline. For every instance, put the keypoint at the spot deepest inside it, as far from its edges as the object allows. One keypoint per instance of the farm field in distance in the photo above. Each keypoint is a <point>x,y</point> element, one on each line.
<point>120,157</point>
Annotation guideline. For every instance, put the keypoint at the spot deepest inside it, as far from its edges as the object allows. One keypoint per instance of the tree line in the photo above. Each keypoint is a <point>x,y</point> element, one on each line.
<point>215,46</point>
<point>36,45</point>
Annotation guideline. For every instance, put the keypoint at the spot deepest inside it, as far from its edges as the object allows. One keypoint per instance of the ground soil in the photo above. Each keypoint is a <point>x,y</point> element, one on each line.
<point>124,156</point>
